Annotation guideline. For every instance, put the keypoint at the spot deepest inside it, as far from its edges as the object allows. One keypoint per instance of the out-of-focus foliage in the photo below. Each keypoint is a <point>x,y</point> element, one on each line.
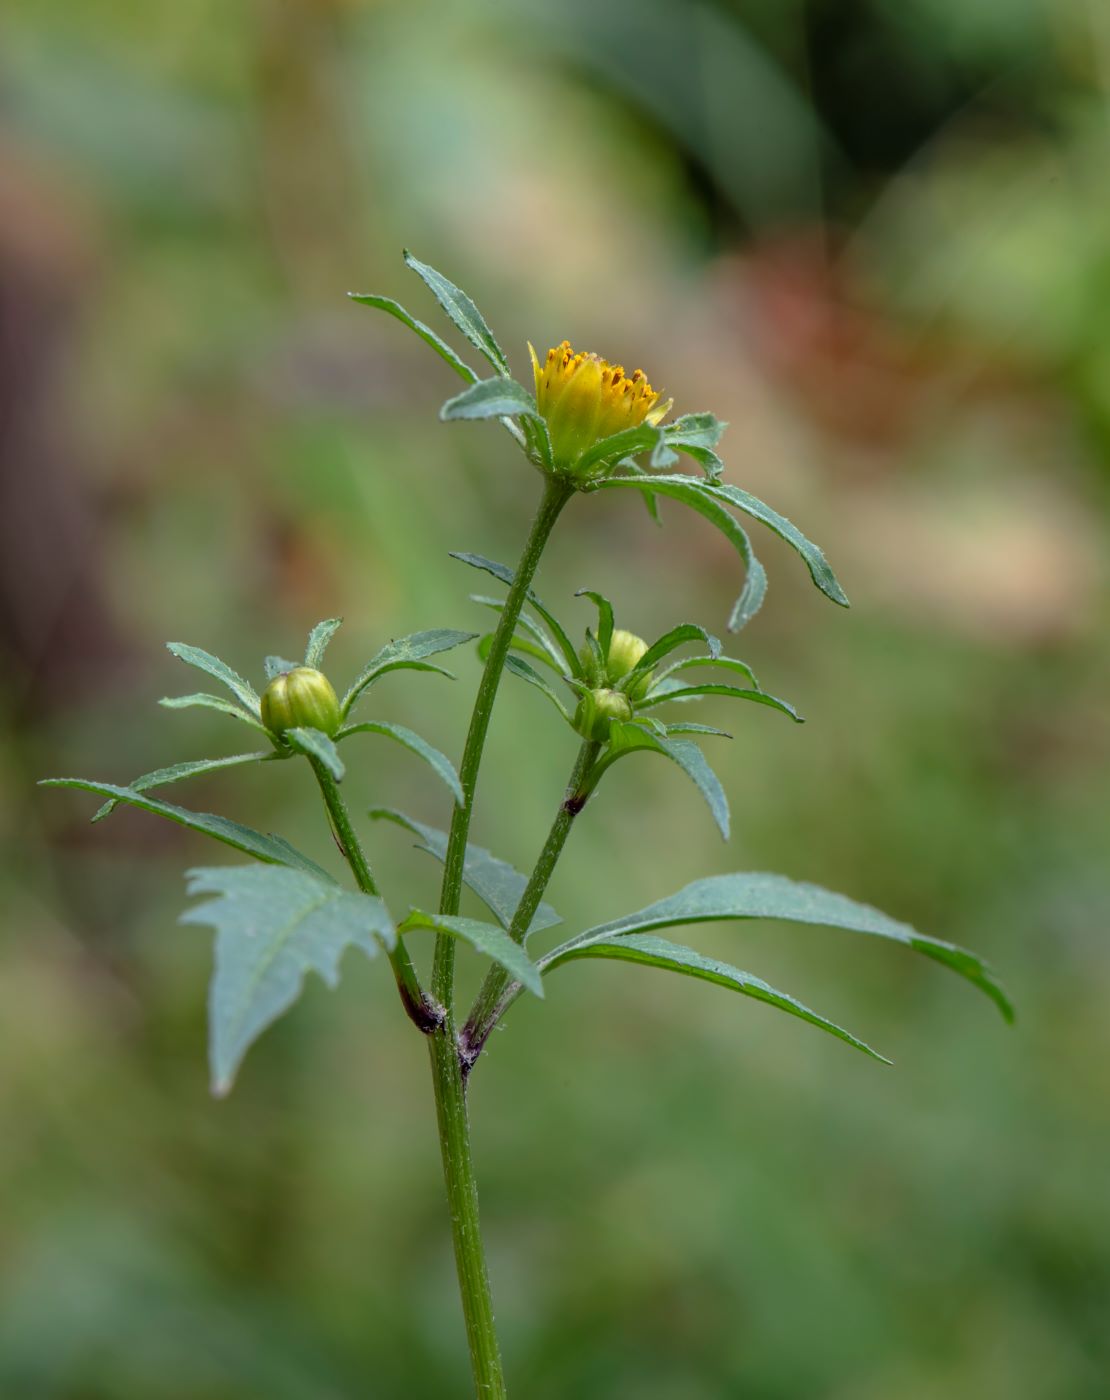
<point>873,237</point>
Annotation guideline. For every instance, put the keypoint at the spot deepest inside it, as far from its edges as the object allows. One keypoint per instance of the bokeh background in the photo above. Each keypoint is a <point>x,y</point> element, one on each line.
<point>875,236</point>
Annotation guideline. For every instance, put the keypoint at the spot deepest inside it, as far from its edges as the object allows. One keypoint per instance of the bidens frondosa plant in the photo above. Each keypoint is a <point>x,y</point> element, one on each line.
<point>587,427</point>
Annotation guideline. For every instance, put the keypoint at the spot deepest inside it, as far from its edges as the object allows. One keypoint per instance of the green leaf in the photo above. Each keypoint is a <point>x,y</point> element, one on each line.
<point>629,738</point>
<point>521,644</point>
<point>604,617</point>
<point>313,743</point>
<point>552,655</point>
<point>462,311</point>
<point>494,942</point>
<point>439,762</point>
<point>693,492</point>
<point>178,772</point>
<point>394,308</point>
<point>676,637</point>
<point>689,691</point>
<point>273,849</point>
<point>755,895</point>
<point>491,398</point>
<point>494,881</point>
<point>278,666</point>
<point>673,957</point>
<point>724,663</point>
<point>205,661</point>
<point>213,702</point>
<point>318,640</point>
<point>695,434</point>
<point>525,672</point>
<point>814,559</point>
<point>407,653</point>
<point>629,442</point>
<point>689,728</point>
<point>273,926</point>
<point>507,575</point>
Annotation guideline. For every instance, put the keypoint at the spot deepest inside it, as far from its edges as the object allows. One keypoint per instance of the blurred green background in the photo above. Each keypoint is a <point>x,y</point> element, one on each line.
<point>875,236</point>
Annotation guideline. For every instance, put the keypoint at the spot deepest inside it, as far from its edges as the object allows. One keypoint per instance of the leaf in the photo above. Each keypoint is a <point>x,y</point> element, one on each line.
<point>695,434</point>
<point>273,849</point>
<point>604,617</point>
<point>178,772</point>
<point>205,661</point>
<point>213,702</point>
<point>673,957</point>
<point>518,643</point>
<point>394,308</point>
<point>725,663</point>
<point>439,762</point>
<point>689,728</point>
<point>755,895</point>
<point>462,311</point>
<point>689,691</point>
<point>628,738</point>
<point>318,640</point>
<point>693,492</point>
<point>407,653</point>
<point>491,398</point>
<point>486,938</point>
<point>676,637</point>
<point>629,442</point>
<point>278,666</point>
<point>272,926</point>
<point>313,743</point>
<point>814,558</point>
<point>526,673</point>
<point>494,881</point>
<point>506,575</point>
<point>551,653</point>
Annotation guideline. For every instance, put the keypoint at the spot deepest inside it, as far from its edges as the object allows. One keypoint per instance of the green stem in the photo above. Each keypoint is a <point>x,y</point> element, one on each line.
<point>420,1009</point>
<point>483,1014</point>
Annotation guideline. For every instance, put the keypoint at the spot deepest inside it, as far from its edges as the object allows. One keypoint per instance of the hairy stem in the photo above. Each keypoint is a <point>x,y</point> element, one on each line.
<point>483,1014</point>
<point>420,1009</point>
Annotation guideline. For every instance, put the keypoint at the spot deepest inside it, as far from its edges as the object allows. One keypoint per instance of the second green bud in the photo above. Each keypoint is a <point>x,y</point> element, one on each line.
<point>596,712</point>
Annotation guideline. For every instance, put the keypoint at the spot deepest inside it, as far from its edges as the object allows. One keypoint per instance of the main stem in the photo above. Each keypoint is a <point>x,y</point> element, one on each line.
<point>447,1072</point>
<point>483,1014</point>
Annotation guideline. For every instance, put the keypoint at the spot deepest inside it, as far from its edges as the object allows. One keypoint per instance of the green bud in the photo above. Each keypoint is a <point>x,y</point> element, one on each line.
<point>300,699</point>
<point>625,651</point>
<point>596,712</point>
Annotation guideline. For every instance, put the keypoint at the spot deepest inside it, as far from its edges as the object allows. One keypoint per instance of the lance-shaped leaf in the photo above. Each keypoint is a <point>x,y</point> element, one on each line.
<point>496,883</point>
<point>440,764</point>
<point>273,849</point>
<point>526,623</point>
<point>213,702</point>
<point>489,939</point>
<point>275,666</point>
<point>407,653</point>
<point>694,492</point>
<point>604,617</point>
<point>272,927</point>
<point>521,669</point>
<point>668,642</point>
<point>442,349</point>
<point>313,743</point>
<point>462,311</point>
<point>318,640</point>
<point>632,737</point>
<point>507,575</point>
<point>724,663</point>
<point>521,644</point>
<point>629,442</point>
<point>673,957</point>
<point>687,692</point>
<point>695,434</point>
<point>177,773</point>
<point>755,895</point>
<point>491,398</point>
<point>243,691</point>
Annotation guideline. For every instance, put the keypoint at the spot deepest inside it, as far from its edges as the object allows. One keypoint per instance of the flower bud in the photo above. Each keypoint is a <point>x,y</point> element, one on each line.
<point>625,651</point>
<point>597,710</point>
<point>301,698</point>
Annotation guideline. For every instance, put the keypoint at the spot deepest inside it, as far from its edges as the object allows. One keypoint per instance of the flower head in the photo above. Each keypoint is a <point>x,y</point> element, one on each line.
<point>302,697</point>
<point>584,399</point>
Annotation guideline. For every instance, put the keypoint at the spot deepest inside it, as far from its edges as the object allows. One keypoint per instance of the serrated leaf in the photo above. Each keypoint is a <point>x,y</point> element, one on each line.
<point>177,773</point>
<point>632,737</point>
<point>496,883</point>
<point>507,575</point>
<point>687,692</point>
<point>272,927</point>
<point>756,895</point>
<point>318,640</point>
<point>273,849</point>
<point>604,617</point>
<point>489,939</point>
<point>440,764</point>
<point>490,398</point>
<point>213,702</point>
<point>275,666</point>
<point>462,311</point>
<point>243,691</point>
<point>524,672</point>
<point>673,957</point>
<point>406,653</point>
<point>426,334</point>
<point>313,743</point>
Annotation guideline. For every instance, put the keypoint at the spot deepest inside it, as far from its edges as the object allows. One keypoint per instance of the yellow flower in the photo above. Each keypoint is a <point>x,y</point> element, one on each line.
<point>585,399</point>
